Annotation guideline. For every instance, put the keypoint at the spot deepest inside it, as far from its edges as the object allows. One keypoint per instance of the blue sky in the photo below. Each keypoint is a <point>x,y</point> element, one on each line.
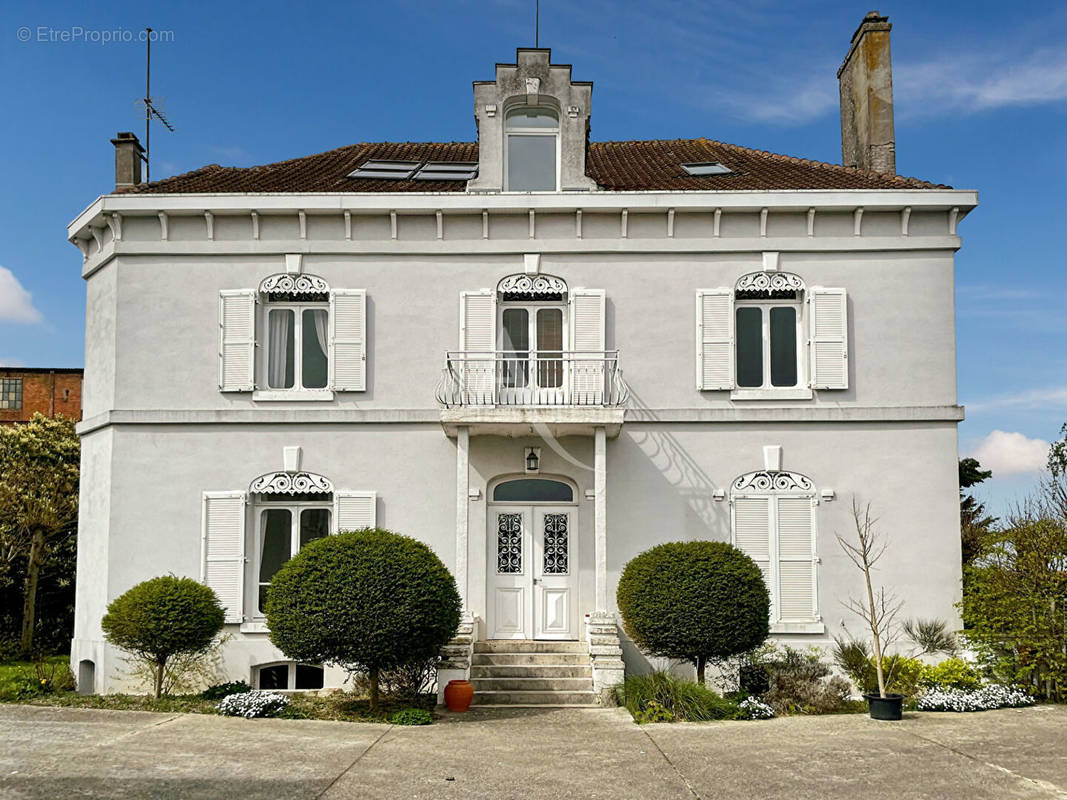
<point>980,97</point>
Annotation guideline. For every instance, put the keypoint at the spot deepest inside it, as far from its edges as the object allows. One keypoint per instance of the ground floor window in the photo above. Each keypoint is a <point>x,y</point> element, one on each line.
<point>287,675</point>
<point>284,525</point>
<point>773,522</point>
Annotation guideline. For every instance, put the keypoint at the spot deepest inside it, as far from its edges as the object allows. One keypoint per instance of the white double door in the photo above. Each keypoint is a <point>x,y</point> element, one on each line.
<point>533,576</point>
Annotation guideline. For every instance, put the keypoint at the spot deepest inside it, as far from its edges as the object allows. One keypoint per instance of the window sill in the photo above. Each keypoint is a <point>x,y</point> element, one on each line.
<point>798,627</point>
<point>254,627</point>
<point>289,395</point>
<point>771,394</point>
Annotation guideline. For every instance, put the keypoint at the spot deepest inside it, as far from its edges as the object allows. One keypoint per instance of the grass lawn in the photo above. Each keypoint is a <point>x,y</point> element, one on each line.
<point>19,678</point>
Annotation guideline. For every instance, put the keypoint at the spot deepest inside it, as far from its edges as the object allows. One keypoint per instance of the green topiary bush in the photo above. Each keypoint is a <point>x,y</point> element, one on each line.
<point>368,601</point>
<point>162,618</point>
<point>694,601</point>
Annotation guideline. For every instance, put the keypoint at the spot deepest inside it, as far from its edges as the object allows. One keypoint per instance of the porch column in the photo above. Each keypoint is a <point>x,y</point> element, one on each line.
<point>462,509</point>
<point>600,516</point>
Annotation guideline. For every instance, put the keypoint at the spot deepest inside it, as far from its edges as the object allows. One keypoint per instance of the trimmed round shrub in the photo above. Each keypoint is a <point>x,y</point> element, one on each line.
<point>694,601</point>
<point>162,618</point>
<point>367,601</point>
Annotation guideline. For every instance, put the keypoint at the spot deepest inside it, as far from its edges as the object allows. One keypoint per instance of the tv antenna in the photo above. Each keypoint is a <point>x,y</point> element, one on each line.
<point>153,107</point>
<point>537,23</point>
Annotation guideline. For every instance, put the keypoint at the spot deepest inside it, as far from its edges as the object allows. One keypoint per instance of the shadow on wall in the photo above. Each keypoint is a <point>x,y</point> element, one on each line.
<point>652,514</point>
<point>684,475</point>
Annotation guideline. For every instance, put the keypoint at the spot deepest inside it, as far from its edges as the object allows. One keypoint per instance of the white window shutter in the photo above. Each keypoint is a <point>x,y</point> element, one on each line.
<point>751,525</point>
<point>798,599</point>
<point>477,338</point>
<point>348,340</point>
<point>353,511</point>
<point>222,566</point>
<point>587,342</point>
<point>715,339</point>
<point>237,340</point>
<point>829,338</point>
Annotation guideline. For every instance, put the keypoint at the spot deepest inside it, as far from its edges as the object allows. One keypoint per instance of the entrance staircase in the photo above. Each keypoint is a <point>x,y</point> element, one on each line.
<point>516,672</point>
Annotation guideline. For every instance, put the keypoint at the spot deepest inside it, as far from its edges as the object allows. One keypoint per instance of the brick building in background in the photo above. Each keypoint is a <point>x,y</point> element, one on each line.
<point>27,390</point>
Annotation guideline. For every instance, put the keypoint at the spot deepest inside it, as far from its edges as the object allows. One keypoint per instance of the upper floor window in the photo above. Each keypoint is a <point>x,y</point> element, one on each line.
<point>767,344</point>
<point>771,336</point>
<point>297,349</point>
<point>10,394</point>
<point>294,336</point>
<point>532,149</point>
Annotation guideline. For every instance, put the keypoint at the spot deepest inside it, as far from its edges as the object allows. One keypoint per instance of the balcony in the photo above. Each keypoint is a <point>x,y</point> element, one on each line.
<point>513,393</point>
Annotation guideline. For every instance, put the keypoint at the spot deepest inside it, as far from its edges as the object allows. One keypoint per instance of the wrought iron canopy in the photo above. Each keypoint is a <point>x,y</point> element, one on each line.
<point>532,287</point>
<point>770,482</point>
<point>758,285</point>
<point>296,286</point>
<point>291,483</point>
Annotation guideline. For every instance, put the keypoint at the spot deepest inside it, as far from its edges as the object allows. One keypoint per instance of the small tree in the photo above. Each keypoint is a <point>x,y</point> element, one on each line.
<point>1015,596</point>
<point>694,601</point>
<point>39,465</point>
<point>974,522</point>
<point>878,609</point>
<point>369,601</point>
<point>161,619</point>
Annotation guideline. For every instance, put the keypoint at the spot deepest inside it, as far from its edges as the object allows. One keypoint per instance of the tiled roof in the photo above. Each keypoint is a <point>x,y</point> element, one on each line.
<point>616,166</point>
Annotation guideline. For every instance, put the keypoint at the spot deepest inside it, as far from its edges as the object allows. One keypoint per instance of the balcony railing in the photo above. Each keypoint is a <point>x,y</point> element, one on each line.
<point>535,378</point>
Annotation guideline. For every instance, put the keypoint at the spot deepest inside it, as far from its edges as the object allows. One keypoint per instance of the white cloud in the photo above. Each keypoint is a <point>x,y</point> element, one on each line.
<point>16,304</point>
<point>1011,453</point>
<point>970,82</point>
<point>11,362</point>
<point>1054,397</point>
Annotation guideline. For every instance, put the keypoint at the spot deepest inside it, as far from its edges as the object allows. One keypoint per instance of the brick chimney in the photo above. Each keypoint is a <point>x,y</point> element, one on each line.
<point>128,152</point>
<point>866,80</point>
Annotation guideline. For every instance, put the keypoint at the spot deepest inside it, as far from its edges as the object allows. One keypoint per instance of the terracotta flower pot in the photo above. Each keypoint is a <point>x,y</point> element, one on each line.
<point>458,695</point>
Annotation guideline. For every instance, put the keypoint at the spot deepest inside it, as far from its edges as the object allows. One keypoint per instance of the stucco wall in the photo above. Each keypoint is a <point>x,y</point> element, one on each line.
<point>661,480</point>
<point>901,326</point>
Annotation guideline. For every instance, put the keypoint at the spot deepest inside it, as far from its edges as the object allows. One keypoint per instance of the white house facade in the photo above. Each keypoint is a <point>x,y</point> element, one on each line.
<point>538,354</point>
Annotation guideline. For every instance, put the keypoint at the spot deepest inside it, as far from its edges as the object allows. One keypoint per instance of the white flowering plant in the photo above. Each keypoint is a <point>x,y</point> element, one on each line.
<point>253,704</point>
<point>754,708</point>
<point>986,698</point>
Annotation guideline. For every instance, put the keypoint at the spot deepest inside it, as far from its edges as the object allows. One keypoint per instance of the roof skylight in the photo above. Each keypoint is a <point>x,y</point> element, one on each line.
<point>707,168</point>
<point>416,170</point>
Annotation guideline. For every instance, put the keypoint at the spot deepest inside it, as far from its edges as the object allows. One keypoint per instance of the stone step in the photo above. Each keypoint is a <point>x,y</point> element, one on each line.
<point>534,698</point>
<point>528,646</point>
<point>532,684</point>
<point>516,659</point>
<point>530,671</point>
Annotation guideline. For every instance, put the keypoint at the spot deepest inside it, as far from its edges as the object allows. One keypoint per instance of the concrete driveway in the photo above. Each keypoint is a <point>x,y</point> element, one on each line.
<point>66,753</point>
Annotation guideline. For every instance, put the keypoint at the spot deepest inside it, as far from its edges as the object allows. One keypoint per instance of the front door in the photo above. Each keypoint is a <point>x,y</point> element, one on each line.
<point>533,585</point>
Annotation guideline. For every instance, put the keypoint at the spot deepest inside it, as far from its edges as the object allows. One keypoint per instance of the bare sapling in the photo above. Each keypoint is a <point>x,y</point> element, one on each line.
<point>878,609</point>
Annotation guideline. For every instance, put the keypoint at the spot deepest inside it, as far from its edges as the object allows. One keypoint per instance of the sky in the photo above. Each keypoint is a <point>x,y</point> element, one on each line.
<point>980,94</point>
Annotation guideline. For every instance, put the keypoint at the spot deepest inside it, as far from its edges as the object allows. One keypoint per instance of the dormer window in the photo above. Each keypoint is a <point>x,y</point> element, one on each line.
<point>532,149</point>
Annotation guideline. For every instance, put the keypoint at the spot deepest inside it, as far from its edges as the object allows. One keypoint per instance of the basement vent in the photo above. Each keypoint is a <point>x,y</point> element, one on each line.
<point>707,168</point>
<point>417,170</point>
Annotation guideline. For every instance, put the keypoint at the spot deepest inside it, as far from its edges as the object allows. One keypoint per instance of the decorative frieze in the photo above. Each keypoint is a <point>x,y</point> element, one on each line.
<point>534,285</point>
<point>772,481</point>
<point>768,284</point>
<point>291,483</point>
<point>294,285</point>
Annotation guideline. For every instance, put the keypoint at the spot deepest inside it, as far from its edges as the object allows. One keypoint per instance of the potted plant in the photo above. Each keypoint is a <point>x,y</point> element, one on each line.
<point>877,609</point>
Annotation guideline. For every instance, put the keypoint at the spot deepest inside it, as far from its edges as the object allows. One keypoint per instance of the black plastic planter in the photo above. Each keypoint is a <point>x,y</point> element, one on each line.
<point>887,708</point>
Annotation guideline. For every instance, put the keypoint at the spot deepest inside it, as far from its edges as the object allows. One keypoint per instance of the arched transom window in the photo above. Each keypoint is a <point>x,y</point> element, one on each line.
<point>531,147</point>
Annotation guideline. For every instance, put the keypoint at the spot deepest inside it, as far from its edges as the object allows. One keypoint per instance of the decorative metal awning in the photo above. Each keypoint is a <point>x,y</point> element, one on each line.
<point>768,285</point>
<point>286,285</point>
<point>771,481</point>
<point>292,483</point>
<point>522,286</point>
